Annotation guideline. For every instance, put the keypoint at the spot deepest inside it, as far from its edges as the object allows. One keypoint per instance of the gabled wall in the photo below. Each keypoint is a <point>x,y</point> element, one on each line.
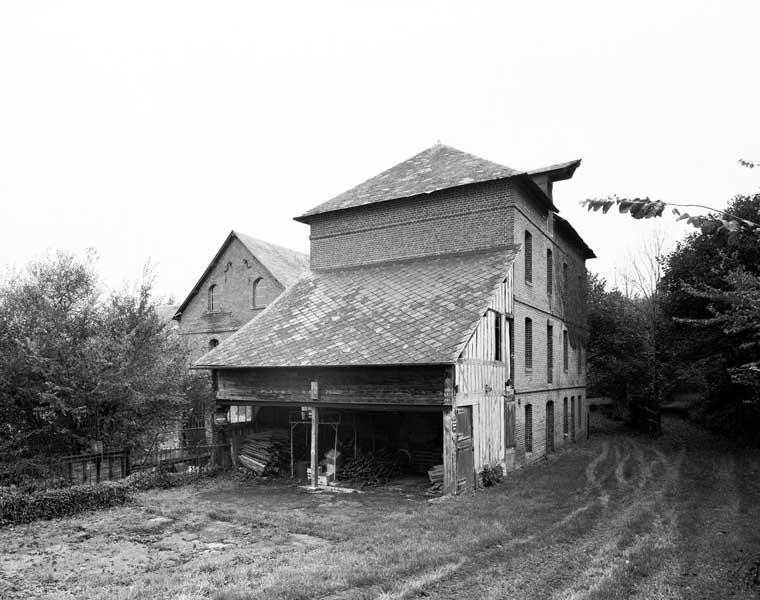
<point>233,275</point>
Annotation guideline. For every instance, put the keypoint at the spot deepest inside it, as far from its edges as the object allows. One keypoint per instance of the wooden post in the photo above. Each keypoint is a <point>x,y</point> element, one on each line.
<point>449,436</point>
<point>314,447</point>
<point>234,448</point>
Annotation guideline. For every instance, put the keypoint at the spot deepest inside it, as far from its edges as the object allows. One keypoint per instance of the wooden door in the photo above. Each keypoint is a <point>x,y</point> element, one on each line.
<point>509,424</point>
<point>465,449</point>
<point>549,427</point>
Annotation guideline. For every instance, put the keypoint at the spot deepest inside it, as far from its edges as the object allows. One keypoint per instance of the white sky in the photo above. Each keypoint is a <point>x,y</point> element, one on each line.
<point>149,130</point>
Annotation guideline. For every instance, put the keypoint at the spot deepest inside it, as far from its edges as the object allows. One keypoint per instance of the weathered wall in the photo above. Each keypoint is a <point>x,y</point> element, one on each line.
<point>233,299</point>
<point>416,386</point>
<point>456,220</point>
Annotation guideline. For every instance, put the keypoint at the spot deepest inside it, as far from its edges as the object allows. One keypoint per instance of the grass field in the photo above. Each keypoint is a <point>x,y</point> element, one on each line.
<point>617,516</point>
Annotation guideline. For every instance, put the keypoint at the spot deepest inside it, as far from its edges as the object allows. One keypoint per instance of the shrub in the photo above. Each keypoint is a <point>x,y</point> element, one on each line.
<point>491,475</point>
<point>17,506</point>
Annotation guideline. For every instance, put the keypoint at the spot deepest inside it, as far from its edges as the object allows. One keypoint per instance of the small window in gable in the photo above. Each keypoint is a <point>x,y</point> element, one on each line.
<point>565,351</point>
<point>255,294</point>
<point>211,298</point>
<point>213,343</point>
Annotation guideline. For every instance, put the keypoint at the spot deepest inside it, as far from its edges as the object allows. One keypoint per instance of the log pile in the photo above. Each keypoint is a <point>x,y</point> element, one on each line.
<point>372,469</point>
<point>266,451</point>
<point>425,458</point>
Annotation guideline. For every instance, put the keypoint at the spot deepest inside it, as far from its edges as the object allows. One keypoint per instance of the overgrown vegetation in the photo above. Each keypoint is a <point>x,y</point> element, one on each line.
<point>79,365</point>
<point>705,326</point>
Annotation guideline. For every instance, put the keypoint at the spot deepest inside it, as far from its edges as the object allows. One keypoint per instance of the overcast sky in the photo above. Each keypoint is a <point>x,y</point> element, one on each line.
<point>149,130</point>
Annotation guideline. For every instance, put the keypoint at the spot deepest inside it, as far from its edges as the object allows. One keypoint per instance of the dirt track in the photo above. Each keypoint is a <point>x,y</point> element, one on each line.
<point>673,518</point>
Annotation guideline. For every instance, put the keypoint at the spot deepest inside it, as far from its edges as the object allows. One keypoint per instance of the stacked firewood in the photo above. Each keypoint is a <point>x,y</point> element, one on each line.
<point>266,451</point>
<point>425,458</point>
<point>372,469</point>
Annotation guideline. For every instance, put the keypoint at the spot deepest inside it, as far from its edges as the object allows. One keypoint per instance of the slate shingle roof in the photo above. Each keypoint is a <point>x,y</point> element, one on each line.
<point>437,168</point>
<point>420,311</point>
<point>285,264</point>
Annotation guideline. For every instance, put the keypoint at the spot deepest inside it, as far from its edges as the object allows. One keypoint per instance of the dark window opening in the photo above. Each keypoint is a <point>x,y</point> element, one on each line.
<point>213,343</point>
<point>528,428</point>
<point>549,353</point>
<point>549,272</point>
<point>528,344</point>
<point>528,257</point>
<point>565,351</point>
<point>497,336</point>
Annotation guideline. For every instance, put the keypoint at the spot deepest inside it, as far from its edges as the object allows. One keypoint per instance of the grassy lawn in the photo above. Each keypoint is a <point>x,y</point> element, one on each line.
<point>617,516</point>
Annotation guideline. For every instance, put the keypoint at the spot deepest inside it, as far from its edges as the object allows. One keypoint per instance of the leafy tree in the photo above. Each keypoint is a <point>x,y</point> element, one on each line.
<point>617,351</point>
<point>77,365</point>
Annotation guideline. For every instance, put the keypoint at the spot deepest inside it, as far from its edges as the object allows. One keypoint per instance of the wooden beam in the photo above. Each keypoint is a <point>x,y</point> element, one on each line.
<point>314,447</point>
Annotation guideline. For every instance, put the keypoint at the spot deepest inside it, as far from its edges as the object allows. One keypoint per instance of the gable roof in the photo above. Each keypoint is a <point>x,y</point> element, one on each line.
<point>284,264</point>
<point>418,311</point>
<point>437,168</point>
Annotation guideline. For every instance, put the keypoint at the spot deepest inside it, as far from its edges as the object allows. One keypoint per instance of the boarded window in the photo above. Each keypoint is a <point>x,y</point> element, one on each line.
<point>528,343</point>
<point>528,249</point>
<point>549,272</point>
<point>549,353</point>
<point>211,298</point>
<point>528,428</point>
<point>565,352</point>
<point>255,299</point>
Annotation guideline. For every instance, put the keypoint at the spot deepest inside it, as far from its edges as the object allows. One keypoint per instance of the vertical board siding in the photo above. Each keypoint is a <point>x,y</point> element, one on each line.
<point>481,380</point>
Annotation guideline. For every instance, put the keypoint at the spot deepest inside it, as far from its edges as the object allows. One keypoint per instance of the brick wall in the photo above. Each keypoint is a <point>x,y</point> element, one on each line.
<point>233,299</point>
<point>456,220</point>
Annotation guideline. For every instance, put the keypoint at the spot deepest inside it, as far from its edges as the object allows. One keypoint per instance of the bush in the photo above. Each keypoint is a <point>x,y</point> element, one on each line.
<point>491,475</point>
<point>17,506</point>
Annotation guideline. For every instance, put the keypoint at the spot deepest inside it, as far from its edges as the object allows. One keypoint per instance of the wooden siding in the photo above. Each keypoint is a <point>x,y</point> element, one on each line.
<point>393,386</point>
<point>481,380</point>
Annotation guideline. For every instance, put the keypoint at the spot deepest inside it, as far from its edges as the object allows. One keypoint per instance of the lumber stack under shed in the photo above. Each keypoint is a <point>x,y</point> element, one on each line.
<point>266,452</point>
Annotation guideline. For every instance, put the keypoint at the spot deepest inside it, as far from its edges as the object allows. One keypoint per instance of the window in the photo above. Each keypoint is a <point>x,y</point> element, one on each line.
<point>211,292</point>
<point>255,301</point>
<point>549,272</point>
<point>528,428</point>
<point>580,412</point>
<point>528,344</point>
<point>565,421</point>
<point>564,280</point>
<point>579,356</point>
<point>528,248</point>
<point>549,353</point>
<point>565,351</point>
<point>497,336</point>
<point>213,343</point>
<point>240,414</point>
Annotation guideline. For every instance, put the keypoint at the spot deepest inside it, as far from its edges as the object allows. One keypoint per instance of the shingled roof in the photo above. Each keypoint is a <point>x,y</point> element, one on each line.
<point>284,264</point>
<point>419,311</point>
<point>437,168</point>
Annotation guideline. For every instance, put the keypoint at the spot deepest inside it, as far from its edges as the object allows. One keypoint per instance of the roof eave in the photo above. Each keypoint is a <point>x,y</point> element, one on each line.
<point>558,172</point>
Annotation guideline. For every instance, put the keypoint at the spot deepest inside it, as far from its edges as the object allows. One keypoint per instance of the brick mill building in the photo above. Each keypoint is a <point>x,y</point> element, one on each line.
<point>443,315</point>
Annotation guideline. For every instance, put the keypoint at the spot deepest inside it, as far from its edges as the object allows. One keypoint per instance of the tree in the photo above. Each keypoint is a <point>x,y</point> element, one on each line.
<point>77,365</point>
<point>617,348</point>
